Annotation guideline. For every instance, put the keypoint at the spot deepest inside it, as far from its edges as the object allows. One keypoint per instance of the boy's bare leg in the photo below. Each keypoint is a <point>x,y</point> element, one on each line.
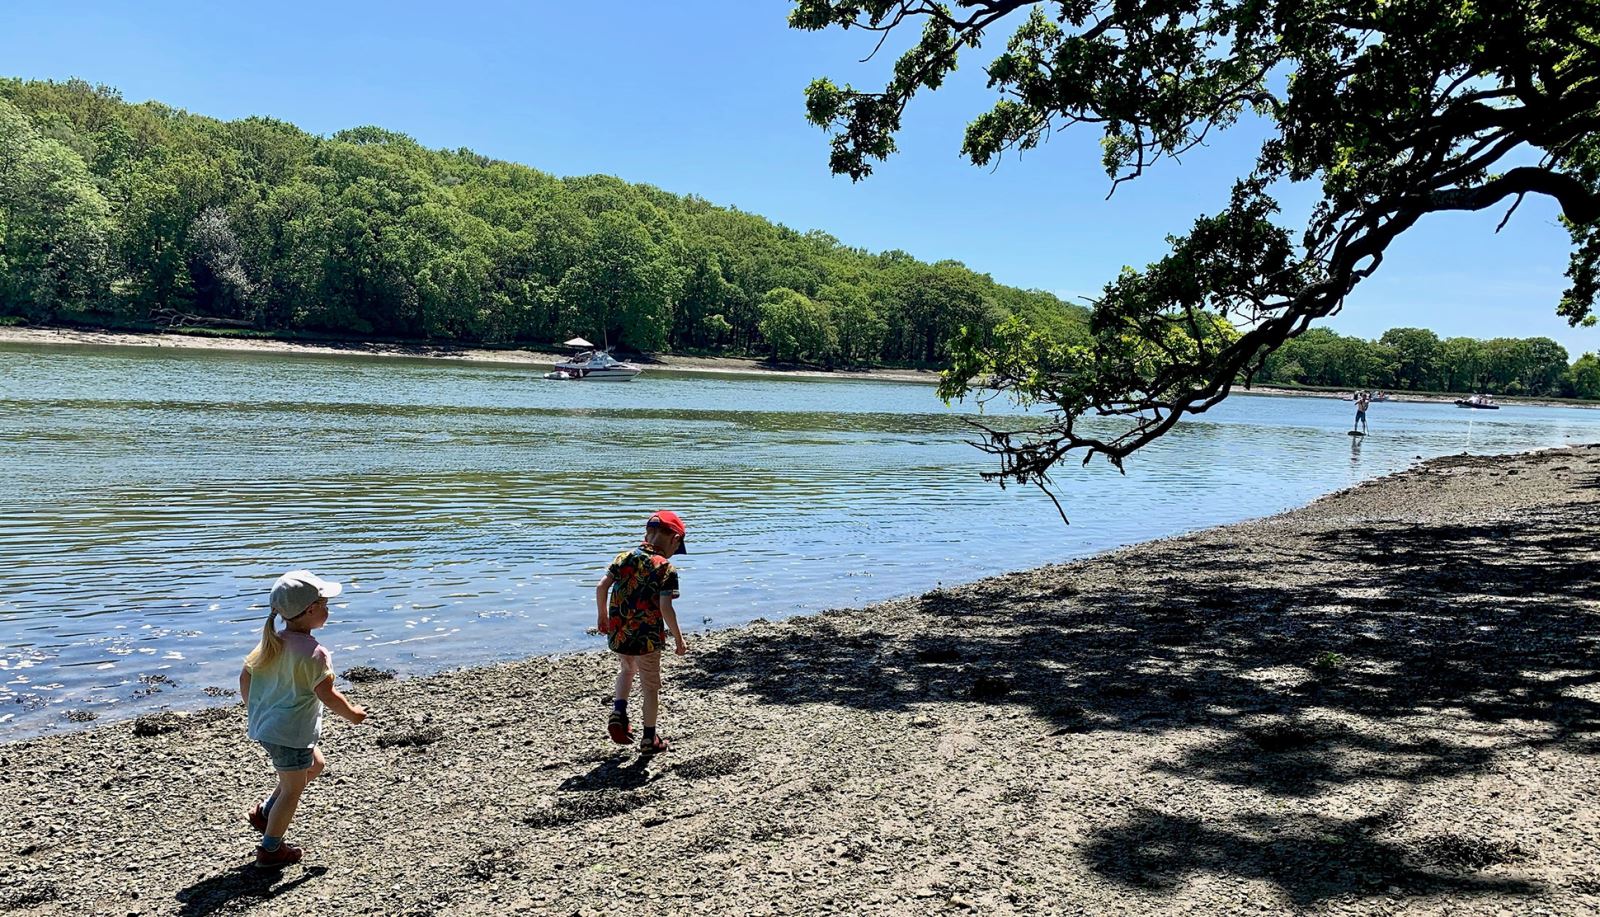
<point>649,666</point>
<point>624,677</point>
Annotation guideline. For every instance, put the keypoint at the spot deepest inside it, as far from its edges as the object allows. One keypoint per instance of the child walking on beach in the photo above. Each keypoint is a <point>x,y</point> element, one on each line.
<point>632,601</point>
<point>286,681</point>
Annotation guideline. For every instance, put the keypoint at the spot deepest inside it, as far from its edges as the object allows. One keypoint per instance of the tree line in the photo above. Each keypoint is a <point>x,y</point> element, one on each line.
<point>124,214</point>
<point>1415,359</point>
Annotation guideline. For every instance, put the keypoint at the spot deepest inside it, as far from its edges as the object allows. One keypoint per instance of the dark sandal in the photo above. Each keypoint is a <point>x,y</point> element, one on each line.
<point>653,746</point>
<point>257,819</point>
<point>617,728</point>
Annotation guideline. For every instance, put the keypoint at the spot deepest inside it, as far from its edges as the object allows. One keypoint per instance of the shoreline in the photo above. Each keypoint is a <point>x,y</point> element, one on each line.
<point>1387,698</point>
<point>533,359</point>
<point>542,360</point>
<point>1402,397</point>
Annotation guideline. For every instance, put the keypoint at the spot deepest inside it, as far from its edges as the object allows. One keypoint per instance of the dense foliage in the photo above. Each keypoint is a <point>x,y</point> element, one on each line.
<point>120,213</point>
<point>1397,109</point>
<point>1416,359</point>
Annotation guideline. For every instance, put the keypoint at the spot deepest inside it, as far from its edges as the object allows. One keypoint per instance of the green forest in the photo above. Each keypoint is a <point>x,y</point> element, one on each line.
<point>146,216</point>
<point>1416,359</point>
<point>136,215</point>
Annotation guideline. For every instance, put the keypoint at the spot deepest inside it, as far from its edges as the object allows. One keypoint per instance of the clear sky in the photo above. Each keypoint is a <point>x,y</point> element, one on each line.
<point>705,97</point>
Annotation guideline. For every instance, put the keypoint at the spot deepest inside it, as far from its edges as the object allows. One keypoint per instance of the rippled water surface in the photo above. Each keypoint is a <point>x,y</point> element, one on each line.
<point>149,497</point>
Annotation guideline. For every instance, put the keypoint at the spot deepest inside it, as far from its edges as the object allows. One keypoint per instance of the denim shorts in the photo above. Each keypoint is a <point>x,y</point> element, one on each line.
<point>285,758</point>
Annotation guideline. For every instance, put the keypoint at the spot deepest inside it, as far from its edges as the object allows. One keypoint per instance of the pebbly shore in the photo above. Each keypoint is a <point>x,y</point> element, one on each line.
<point>1387,701</point>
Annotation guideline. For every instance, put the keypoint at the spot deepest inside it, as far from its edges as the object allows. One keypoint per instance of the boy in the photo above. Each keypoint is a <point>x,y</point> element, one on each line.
<point>641,585</point>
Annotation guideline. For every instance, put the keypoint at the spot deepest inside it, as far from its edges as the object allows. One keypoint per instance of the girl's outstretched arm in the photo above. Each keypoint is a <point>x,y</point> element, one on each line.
<point>337,702</point>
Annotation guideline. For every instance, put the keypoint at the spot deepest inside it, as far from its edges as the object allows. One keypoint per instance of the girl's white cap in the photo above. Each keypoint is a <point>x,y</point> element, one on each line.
<point>298,590</point>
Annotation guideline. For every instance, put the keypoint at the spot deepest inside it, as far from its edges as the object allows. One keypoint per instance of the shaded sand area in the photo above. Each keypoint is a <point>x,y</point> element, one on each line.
<point>1385,702</point>
<point>533,359</point>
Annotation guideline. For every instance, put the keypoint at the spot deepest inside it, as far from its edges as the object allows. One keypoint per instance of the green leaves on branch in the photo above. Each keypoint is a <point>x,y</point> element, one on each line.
<point>1397,110</point>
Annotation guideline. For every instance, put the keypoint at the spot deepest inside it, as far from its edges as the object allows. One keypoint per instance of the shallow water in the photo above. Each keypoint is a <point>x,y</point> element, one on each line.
<point>149,497</point>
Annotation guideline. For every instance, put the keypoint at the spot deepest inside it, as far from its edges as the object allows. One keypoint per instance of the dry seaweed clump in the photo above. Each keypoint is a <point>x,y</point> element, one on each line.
<point>28,894</point>
<point>155,724</point>
<point>587,805</point>
<point>411,737</point>
<point>716,764</point>
<point>1461,852</point>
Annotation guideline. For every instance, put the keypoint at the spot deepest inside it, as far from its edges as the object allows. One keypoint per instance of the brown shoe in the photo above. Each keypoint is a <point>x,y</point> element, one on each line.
<point>653,745</point>
<point>617,728</point>
<point>257,819</point>
<point>285,855</point>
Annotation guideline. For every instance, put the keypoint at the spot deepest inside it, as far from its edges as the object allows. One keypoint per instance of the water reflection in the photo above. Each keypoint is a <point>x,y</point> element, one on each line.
<point>151,497</point>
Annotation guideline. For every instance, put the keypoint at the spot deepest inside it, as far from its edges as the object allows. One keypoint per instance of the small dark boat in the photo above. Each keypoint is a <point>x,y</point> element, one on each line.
<point>1481,402</point>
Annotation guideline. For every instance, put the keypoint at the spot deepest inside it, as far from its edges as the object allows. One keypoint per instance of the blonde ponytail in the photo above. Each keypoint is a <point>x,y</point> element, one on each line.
<point>267,651</point>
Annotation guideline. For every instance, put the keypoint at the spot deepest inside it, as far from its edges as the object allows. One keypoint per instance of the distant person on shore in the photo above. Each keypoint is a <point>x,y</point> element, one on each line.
<point>1362,400</point>
<point>286,681</point>
<point>633,600</point>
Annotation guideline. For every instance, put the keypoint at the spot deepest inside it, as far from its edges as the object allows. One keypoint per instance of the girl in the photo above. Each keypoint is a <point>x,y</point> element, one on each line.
<point>286,681</point>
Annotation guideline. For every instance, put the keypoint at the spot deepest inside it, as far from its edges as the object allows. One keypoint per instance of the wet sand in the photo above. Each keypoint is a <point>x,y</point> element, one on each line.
<point>539,361</point>
<point>1385,702</point>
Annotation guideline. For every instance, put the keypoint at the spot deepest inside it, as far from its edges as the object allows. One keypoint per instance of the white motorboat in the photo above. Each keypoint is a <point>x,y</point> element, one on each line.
<point>594,366</point>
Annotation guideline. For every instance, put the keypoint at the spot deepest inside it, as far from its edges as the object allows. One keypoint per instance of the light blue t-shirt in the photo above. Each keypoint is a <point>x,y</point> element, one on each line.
<point>283,706</point>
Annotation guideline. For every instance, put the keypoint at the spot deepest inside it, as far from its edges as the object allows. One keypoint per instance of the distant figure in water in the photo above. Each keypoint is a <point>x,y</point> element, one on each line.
<point>1362,400</point>
<point>632,600</point>
<point>286,681</point>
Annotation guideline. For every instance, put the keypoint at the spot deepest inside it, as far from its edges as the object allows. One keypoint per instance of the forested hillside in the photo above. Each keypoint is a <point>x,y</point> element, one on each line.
<point>1416,359</point>
<point>131,214</point>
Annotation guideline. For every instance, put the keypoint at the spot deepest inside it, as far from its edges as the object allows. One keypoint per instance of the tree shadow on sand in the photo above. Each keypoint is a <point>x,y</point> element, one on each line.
<point>240,887</point>
<point>1310,859</point>
<point>1378,623</point>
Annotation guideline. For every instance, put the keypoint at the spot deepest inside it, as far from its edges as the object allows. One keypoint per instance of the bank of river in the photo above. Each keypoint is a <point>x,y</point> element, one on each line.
<point>1385,701</point>
<point>151,496</point>
<point>531,359</point>
<point>541,360</point>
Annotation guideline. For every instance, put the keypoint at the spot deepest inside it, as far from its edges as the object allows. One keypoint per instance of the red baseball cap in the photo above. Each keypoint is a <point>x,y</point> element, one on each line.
<point>670,521</point>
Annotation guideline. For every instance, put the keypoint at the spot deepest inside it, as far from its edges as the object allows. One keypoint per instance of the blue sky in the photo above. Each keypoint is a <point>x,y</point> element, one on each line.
<point>705,97</point>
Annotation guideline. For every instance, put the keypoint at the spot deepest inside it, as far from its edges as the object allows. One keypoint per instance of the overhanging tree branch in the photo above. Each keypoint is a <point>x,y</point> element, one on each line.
<point>1398,110</point>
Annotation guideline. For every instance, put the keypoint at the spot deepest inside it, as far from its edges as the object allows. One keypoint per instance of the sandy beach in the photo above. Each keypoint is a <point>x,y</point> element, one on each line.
<point>535,360</point>
<point>1385,702</point>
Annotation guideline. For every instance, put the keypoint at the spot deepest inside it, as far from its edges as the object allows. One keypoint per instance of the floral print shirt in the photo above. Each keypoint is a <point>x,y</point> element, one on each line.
<point>640,578</point>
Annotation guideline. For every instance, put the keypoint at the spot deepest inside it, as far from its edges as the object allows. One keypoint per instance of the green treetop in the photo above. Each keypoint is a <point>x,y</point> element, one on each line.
<point>1397,109</point>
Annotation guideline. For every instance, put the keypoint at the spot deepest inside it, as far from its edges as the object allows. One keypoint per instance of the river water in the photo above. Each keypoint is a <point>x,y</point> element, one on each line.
<point>148,498</point>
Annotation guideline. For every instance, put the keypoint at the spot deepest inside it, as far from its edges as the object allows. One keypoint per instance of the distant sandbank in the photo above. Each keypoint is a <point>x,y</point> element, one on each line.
<point>533,359</point>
